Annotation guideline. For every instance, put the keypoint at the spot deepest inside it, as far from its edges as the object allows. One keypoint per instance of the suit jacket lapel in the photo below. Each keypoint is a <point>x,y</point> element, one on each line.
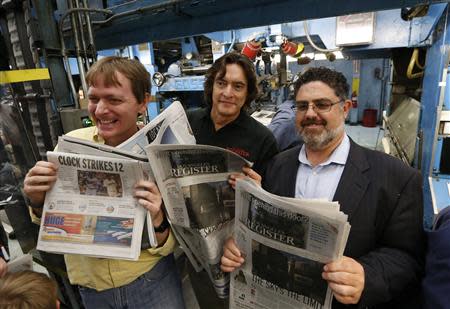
<point>353,183</point>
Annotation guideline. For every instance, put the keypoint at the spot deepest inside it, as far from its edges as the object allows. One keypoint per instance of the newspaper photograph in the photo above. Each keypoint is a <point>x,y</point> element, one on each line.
<point>169,127</point>
<point>199,201</point>
<point>286,243</point>
<point>91,209</point>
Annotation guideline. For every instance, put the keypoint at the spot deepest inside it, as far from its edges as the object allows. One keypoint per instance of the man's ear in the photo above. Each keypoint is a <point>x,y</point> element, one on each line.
<point>346,107</point>
<point>58,304</point>
<point>144,103</point>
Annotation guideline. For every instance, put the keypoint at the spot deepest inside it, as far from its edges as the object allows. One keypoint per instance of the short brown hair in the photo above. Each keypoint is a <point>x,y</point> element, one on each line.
<point>27,290</point>
<point>334,79</point>
<point>219,67</point>
<point>107,67</point>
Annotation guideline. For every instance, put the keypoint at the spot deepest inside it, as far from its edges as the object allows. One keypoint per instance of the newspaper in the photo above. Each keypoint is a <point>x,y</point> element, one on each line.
<point>77,145</point>
<point>286,243</point>
<point>199,201</point>
<point>169,127</point>
<point>90,209</point>
<point>70,144</point>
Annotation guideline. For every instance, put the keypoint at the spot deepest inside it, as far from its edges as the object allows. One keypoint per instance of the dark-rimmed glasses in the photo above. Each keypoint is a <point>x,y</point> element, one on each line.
<point>319,106</point>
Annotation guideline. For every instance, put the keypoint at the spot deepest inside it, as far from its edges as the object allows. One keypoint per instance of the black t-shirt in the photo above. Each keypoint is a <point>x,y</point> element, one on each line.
<point>244,136</point>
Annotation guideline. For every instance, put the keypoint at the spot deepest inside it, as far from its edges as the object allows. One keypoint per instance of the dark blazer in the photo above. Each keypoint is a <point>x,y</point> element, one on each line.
<point>383,200</point>
<point>436,284</point>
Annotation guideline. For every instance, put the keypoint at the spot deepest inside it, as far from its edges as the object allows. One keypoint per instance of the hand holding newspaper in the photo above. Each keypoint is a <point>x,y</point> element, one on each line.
<point>199,201</point>
<point>286,242</point>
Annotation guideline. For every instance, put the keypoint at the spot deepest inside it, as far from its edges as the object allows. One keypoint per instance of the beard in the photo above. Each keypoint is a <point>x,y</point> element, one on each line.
<point>317,141</point>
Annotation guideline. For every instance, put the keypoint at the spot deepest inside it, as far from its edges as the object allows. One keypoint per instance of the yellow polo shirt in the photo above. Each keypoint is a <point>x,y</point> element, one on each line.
<point>101,274</point>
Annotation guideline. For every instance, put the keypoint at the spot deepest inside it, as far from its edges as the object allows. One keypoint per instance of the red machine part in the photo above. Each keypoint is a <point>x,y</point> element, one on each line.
<point>251,49</point>
<point>292,49</point>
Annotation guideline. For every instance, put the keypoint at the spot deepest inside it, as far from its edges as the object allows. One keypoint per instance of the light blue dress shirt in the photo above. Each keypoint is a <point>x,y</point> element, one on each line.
<point>322,180</point>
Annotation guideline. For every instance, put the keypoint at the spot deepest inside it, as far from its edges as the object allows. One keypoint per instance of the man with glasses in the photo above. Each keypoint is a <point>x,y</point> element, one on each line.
<point>383,260</point>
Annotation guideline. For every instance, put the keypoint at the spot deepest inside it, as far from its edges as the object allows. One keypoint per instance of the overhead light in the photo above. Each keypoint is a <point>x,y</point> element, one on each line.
<point>270,48</point>
<point>315,56</point>
<point>320,57</point>
<point>290,59</point>
<point>338,55</point>
<point>276,58</point>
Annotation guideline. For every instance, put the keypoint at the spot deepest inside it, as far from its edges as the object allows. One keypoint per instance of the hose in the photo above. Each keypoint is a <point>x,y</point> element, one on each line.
<point>323,50</point>
<point>414,61</point>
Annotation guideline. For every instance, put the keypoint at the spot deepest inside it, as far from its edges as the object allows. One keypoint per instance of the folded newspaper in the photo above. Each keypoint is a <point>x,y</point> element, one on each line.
<point>286,243</point>
<point>199,201</point>
<point>90,209</point>
<point>70,144</point>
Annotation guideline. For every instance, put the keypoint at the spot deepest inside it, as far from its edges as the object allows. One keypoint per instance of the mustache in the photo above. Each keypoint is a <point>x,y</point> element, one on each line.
<point>310,121</point>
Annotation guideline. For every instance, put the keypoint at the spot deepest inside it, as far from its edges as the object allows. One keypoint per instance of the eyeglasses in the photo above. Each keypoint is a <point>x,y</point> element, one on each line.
<point>319,106</point>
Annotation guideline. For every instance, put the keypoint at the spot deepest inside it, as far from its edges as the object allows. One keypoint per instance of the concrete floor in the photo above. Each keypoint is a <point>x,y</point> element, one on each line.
<point>367,137</point>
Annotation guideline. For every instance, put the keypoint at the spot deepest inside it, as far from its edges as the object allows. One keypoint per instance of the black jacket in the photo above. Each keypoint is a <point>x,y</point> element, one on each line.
<point>383,200</point>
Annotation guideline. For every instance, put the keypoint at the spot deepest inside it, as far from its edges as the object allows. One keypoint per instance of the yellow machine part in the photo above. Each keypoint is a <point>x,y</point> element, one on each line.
<point>17,76</point>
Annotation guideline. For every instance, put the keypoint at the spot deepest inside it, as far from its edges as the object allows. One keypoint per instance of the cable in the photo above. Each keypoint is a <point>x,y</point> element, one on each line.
<point>233,40</point>
<point>323,50</point>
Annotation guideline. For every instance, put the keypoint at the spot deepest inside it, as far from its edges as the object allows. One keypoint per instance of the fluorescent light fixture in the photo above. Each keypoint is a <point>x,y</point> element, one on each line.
<point>271,48</point>
<point>313,56</point>
<point>320,57</point>
<point>338,55</point>
<point>276,58</point>
<point>290,59</point>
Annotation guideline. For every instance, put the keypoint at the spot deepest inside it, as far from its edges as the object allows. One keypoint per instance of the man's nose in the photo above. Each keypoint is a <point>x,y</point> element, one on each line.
<point>311,111</point>
<point>228,91</point>
<point>101,107</point>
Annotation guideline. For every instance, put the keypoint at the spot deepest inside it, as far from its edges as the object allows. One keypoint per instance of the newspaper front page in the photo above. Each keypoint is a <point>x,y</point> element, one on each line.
<point>169,127</point>
<point>199,201</point>
<point>70,144</point>
<point>286,243</point>
<point>91,210</point>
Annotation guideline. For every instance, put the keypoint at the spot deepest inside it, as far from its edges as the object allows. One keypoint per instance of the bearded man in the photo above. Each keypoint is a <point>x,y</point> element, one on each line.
<point>383,261</point>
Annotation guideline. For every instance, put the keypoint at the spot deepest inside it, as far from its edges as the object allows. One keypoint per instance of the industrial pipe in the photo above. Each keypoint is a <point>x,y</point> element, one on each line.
<point>414,61</point>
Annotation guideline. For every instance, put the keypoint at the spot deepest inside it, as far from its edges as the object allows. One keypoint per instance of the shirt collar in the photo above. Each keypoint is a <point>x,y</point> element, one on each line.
<point>338,156</point>
<point>96,137</point>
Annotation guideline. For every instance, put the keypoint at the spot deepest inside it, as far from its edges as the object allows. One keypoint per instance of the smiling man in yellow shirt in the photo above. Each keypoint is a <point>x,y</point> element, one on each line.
<point>118,92</point>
